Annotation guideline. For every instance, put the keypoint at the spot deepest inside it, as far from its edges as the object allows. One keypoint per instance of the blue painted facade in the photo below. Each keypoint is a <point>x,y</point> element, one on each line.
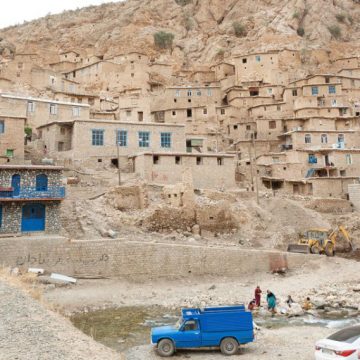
<point>33,193</point>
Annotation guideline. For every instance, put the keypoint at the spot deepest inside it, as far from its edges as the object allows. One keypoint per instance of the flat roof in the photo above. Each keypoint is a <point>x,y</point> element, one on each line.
<point>30,167</point>
<point>51,101</point>
<point>183,154</point>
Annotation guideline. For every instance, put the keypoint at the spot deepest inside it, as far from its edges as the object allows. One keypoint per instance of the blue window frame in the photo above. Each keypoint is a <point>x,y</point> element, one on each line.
<point>165,140</point>
<point>121,138</point>
<point>314,90</point>
<point>332,89</point>
<point>258,58</point>
<point>144,139</point>
<point>41,182</point>
<point>97,137</point>
<point>2,126</point>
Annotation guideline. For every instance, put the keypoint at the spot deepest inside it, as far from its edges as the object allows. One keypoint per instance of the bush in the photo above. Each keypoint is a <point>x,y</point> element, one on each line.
<point>335,31</point>
<point>300,31</point>
<point>340,18</point>
<point>239,29</point>
<point>28,131</point>
<point>183,2</point>
<point>296,15</point>
<point>163,39</point>
<point>220,52</point>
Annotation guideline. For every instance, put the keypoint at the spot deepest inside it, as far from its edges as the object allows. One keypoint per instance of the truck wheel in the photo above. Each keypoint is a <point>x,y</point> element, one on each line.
<point>329,249</point>
<point>166,348</point>
<point>315,250</point>
<point>229,346</point>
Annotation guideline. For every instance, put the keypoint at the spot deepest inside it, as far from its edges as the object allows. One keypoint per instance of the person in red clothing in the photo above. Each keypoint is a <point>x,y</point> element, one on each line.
<point>258,296</point>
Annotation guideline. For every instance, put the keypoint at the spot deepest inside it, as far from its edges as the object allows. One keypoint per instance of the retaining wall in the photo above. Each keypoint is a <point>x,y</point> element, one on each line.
<point>137,260</point>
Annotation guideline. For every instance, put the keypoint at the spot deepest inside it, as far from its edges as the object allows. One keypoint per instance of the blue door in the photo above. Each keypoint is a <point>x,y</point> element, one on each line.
<point>189,335</point>
<point>15,184</point>
<point>33,217</point>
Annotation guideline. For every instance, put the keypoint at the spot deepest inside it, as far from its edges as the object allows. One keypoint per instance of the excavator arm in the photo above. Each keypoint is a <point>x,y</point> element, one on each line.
<point>341,229</point>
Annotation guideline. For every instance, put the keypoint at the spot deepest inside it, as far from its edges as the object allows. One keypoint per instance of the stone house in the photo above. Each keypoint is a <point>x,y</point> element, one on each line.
<point>208,170</point>
<point>70,56</point>
<point>30,198</point>
<point>94,142</point>
<point>12,136</point>
<point>39,111</point>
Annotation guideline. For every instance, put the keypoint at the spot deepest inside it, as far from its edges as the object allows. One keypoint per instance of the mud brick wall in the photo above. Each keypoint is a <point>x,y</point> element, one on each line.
<point>141,261</point>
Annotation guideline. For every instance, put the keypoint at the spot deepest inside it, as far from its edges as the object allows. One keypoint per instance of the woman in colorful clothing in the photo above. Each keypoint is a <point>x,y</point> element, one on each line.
<point>271,301</point>
<point>258,296</point>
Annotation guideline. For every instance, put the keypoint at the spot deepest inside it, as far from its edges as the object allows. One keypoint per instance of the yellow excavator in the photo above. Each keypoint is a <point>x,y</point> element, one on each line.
<point>320,241</point>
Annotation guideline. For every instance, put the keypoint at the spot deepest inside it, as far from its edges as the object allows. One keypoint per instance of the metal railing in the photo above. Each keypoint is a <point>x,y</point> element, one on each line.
<point>56,192</point>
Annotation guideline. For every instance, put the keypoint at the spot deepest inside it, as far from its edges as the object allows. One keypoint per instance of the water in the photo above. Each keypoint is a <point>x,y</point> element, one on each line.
<point>127,327</point>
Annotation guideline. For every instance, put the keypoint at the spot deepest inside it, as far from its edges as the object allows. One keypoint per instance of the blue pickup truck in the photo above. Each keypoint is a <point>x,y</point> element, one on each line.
<point>226,327</point>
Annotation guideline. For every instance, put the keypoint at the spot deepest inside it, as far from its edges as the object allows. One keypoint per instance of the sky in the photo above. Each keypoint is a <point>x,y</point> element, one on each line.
<point>16,11</point>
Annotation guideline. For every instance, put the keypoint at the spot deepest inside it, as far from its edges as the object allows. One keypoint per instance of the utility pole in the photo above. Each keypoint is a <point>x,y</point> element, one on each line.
<point>118,158</point>
<point>256,173</point>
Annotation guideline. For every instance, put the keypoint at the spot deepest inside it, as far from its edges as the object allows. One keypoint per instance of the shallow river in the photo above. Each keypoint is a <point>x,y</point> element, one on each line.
<point>126,327</point>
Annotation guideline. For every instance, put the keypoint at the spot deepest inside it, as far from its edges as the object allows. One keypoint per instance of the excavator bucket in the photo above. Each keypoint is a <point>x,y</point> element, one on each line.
<point>299,248</point>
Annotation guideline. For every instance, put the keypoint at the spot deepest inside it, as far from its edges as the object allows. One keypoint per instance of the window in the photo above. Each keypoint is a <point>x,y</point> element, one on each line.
<point>9,153</point>
<point>41,182</point>
<point>272,124</point>
<point>327,79</point>
<point>177,160</point>
<point>348,335</point>
<point>144,139</point>
<point>220,161</point>
<point>31,107</point>
<point>177,93</point>
<point>165,140</point>
<point>348,159</point>
<point>198,92</point>
<point>128,113</point>
<point>53,109</point>
<point>189,113</point>
<point>199,160</point>
<point>97,137</point>
<point>132,75</point>
<point>121,137</point>
<point>189,100</point>
<point>209,92</point>
<point>314,90</point>
<point>189,93</point>
<point>324,139</point>
<point>278,107</point>
<point>270,91</point>
<point>140,116</point>
<point>258,58</point>
<point>91,101</point>
<point>294,92</point>
<point>248,127</point>
<point>244,61</point>
<point>2,126</point>
<point>333,103</point>
<point>173,113</point>
<point>155,159</point>
<point>341,138</point>
<point>332,89</point>
<point>76,111</point>
<point>235,127</point>
<point>205,111</point>
<point>190,325</point>
<point>62,131</point>
<point>307,139</point>
<point>222,111</point>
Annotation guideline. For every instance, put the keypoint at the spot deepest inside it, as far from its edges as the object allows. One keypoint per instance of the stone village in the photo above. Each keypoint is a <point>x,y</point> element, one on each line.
<point>253,120</point>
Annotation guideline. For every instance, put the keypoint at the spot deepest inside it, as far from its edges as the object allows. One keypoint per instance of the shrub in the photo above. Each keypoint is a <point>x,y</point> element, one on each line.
<point>239,29</point>
<point>335,31</point>
<point>300,31</point>
<point>296,14</point>
<point>220,52</point>
<point>163,39</point>
<point>183,2</point>
<point>28,131</point>
<point>340,18</point>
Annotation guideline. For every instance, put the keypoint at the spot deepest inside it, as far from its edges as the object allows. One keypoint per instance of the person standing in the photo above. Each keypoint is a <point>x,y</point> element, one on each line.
<point>258,296</point>
<point>271,301</point>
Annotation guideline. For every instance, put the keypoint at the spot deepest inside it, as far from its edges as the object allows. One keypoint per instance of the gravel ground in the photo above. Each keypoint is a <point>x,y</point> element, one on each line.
<point>285,343</point>
<point>28,331</point>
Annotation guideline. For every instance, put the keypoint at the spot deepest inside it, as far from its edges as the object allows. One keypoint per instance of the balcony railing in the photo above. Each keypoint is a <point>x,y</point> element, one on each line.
<point>32,193</point>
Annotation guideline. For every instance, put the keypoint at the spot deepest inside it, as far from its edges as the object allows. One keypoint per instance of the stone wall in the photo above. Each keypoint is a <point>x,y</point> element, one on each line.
<point>354,195</point>
<point>142,261</point>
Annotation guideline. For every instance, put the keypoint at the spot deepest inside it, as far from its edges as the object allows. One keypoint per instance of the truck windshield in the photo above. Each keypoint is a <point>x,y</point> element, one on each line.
<point>179,323</point>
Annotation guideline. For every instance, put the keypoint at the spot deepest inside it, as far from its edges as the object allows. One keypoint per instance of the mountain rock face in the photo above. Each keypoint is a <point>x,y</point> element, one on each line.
<point>204,30</point>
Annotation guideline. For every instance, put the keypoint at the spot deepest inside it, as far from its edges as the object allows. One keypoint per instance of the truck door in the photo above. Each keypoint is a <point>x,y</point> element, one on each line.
<point>190,335</point>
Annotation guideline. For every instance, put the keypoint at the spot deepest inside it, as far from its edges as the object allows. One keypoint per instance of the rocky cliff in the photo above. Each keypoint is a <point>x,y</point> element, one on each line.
<point>204,30</point>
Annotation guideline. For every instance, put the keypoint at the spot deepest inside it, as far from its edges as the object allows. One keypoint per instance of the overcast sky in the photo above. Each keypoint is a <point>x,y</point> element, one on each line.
<point>16,11</point>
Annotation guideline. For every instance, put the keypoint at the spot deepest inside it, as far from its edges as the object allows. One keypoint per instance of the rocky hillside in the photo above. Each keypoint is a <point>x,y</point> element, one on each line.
<point>204,30</point>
